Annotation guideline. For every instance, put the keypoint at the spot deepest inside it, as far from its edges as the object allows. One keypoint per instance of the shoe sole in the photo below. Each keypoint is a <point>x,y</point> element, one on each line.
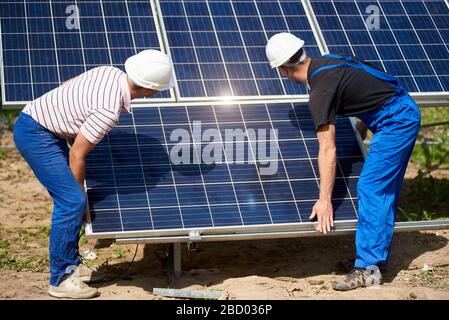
<point>56,294</point>
<point>88,280</point>
<point>336,287</point>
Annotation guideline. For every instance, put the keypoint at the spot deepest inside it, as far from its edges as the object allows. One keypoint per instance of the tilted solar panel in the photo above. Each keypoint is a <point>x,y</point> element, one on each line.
<point>47,42</point>
<point>136,185</point>
<point>408,38</point>
<point>218,47</point>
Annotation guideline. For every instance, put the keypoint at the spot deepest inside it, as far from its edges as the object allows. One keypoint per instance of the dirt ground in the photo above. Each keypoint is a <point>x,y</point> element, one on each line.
<point>300,268</point>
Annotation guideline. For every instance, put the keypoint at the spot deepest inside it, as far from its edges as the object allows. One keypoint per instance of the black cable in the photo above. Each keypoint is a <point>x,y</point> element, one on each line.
<point>123,274</point>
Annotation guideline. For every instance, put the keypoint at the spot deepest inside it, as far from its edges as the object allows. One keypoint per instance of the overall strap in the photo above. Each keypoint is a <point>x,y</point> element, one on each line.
<point>331,66</point>
<point>356,64</point>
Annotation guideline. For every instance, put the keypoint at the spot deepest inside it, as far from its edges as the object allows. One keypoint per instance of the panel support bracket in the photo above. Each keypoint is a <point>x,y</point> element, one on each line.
<point>195,235</point>
<point>174,260</point>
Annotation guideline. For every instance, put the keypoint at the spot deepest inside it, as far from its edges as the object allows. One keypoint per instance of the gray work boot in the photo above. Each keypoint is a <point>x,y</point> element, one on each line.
<point>87,275</point>
<point>358,278</point>
<point>72,287</point>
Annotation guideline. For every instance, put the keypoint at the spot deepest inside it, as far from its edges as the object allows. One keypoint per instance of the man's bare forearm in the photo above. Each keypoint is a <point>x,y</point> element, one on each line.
<point>78,167</point>
<point>327,160</point>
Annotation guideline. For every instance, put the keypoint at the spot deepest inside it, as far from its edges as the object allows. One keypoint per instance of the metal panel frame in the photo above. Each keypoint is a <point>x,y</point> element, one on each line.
<point>301,227</point>
<point>223,230</point>
<point>343,228</point>
<point>2,71</point>
<point>20,104</point>
<point>262,231</point>
<point>439,98</point>
<point>315,26</point>
<point>160,30</point>
<point>230,99</point>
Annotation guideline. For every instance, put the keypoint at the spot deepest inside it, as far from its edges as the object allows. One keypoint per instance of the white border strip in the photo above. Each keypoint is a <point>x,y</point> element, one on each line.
<point>163,45</point>
<point>256,231</point>
<point>314,25</point>
<point>423,99</point>
<point>2,71</point>
<point>344,229</point>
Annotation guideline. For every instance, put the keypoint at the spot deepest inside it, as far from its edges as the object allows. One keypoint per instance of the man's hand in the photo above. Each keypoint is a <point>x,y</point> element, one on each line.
<point>325,215</point>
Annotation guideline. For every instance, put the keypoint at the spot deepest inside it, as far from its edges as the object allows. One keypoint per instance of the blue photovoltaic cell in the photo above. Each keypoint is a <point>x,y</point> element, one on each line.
<point>218,47</point>
<point>42,45</point>
<point>136,184</point>
<point>408,38</point>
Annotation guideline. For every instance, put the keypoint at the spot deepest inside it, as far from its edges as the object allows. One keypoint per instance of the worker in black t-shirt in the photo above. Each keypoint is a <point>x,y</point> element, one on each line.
<point>344,85</point>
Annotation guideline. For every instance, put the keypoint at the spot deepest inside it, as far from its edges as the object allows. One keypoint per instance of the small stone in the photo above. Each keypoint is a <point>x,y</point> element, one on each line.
<point>295,287</point>
<point>89,255</point>
<point>427,267</point>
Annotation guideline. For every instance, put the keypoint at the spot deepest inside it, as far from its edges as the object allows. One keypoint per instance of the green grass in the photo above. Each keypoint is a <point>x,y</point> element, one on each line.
<point>431,157</point>
<point>4,244</point>
<point>412,296</point>
<point>119,252</point>
<point>434,114</point>
<point>424,198</point>
<point>83,240</point>
<point>8,117</point>
<point>15,262</point>
<point>433,152</point>
<point>3,153</point>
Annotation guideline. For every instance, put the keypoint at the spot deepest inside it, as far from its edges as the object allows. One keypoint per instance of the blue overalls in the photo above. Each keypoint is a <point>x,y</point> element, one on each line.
<point>395,126</point>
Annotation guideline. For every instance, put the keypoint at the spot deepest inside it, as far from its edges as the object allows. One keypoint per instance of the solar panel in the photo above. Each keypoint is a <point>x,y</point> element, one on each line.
<point>47,42</point>
<point>218,47</point>
<point>136,185</point>
<point>410,39</point>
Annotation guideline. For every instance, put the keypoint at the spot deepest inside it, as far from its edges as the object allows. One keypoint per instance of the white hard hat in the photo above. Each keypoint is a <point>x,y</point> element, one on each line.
<point>281,47</point>
<point>150,69</point>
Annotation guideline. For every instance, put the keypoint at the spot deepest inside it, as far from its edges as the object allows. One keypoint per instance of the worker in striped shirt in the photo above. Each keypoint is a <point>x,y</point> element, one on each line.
<point>84,108</point>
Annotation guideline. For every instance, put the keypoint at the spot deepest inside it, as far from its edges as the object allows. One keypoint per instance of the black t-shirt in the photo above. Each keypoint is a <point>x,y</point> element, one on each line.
<point>343,91</point>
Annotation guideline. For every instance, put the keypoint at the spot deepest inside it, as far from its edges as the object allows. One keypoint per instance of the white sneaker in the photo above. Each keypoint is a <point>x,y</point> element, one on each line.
<point>73,288</point>
<point>87,275</point>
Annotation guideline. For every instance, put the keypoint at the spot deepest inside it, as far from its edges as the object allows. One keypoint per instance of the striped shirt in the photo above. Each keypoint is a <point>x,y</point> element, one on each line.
<point>90,103</point>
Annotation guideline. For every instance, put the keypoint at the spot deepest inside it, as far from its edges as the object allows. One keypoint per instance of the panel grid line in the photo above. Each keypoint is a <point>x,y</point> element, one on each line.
<point>143,173</point>
<point>116,189</point>
<point>420,42</point>
<point>250,145</point>
<point>172,174</point>
<point>28,43</point>
<point>397,43</point>
<point>194,144</point>
<point>228,169</point>
<point>220,49</point>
